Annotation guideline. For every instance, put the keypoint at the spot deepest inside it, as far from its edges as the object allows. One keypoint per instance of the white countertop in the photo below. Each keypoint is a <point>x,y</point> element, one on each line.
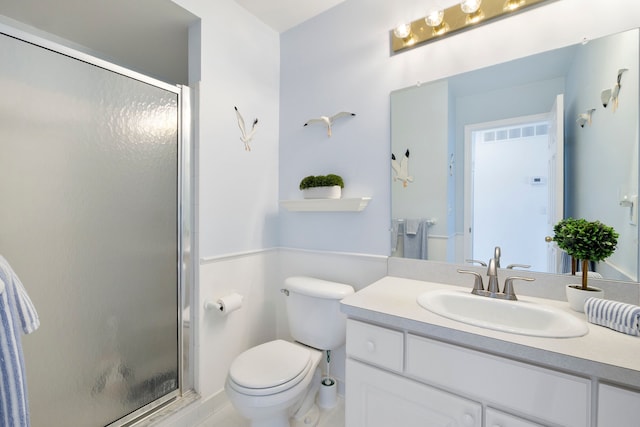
<point>604,353</point>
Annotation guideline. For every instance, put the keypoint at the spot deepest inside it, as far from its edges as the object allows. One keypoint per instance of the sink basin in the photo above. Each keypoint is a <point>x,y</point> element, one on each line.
<point>516,317</point>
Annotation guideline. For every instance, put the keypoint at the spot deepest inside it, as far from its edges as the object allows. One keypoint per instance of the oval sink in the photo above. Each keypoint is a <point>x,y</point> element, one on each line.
<point>516,317</point>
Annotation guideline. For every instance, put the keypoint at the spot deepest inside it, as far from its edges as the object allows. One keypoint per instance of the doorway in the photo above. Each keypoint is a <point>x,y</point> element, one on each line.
<point>506,186</point>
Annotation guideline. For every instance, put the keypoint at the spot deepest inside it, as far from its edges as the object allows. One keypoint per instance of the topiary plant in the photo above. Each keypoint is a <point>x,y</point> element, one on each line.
<point>586,241</point>
<point>321,181</point>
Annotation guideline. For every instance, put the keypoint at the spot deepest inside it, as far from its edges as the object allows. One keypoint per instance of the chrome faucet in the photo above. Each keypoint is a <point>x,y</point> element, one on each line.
<point>493,288</point>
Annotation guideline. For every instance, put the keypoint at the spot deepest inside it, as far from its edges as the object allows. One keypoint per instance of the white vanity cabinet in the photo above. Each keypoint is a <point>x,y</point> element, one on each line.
<point>395,378</point>
<point>617,406</point>
<point>377,398</point>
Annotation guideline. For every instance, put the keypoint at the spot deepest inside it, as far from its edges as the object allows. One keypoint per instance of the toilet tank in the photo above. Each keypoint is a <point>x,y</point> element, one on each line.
<point>313,311</point>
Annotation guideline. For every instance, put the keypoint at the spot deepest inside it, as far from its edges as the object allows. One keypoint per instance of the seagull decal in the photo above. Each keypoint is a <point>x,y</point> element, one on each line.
<point>585,118</point>
<point>328,120</point>
<point>401,169</point>
<point>611,95</point>
<point>245,137</point>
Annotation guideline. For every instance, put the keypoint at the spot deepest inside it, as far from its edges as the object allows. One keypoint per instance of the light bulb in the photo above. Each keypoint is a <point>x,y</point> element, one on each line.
<point>402,31</point>
<point>470,6</point>
<point>434,18</point>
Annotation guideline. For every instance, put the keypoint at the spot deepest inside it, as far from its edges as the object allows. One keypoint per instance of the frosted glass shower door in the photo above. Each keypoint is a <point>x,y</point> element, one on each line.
<point>89,175</point>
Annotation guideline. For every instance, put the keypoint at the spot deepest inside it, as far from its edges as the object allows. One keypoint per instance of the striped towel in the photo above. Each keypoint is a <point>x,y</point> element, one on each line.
<point>17,316</point>
<point>612,314</point>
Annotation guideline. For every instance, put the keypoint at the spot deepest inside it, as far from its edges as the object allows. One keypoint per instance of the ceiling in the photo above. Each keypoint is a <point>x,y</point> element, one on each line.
<point>282,15</point>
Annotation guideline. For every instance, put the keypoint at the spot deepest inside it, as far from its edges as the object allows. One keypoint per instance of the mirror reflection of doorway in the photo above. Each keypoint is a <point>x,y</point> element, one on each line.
<point>509,175</point>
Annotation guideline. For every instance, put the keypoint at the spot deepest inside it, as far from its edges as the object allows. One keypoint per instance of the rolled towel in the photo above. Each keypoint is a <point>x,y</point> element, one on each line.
<point>612,314</point>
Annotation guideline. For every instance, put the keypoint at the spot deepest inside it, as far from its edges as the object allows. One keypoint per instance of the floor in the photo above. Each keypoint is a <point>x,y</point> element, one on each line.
<point>228,417</point>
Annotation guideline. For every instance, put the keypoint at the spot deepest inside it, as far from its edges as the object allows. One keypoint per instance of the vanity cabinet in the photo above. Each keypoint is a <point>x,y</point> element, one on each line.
<point>419,381</point>
<point>618,406</point>
<point>378,398</point>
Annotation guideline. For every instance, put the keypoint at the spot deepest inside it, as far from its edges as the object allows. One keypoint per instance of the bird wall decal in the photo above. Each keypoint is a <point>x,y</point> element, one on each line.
<point>244,136</point>
<point>585,118</point>
<point>401,169</point>
<point>611,95</point>
<point>328,120</point>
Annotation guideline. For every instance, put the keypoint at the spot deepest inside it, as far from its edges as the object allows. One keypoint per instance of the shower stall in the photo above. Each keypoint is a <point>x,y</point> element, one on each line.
<point>95,219</point>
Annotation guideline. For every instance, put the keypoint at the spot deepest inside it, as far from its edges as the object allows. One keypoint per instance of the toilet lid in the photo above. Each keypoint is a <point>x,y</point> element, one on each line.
<point>269,365</point>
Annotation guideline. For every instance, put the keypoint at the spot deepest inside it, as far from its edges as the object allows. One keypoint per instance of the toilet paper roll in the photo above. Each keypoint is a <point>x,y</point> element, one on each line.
<point>229,303</point>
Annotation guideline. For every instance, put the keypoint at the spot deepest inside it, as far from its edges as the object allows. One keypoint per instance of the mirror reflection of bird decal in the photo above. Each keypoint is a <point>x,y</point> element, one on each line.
<point>328,120</point>
<point>401,169</point>
<point>245,137</point>
<point>585,118</point>
<point>611,95</point>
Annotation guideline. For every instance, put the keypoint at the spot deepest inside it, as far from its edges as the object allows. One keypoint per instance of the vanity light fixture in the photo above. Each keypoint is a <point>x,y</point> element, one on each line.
<point>460,17</point>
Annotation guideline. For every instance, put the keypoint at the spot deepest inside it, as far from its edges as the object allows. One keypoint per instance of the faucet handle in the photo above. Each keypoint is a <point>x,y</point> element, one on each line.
<point>474,261</point>
<point>508,291</point>
<point>512,266</point>
<point>478,287</point>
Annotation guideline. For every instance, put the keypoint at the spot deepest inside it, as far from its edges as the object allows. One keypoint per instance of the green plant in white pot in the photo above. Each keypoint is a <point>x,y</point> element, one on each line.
<point>322,186</point>
<point>587,241</point>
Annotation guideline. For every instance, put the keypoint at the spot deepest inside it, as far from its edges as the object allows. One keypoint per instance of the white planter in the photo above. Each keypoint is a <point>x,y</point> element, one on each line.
<point>576,296</point>
<point>333,192</point>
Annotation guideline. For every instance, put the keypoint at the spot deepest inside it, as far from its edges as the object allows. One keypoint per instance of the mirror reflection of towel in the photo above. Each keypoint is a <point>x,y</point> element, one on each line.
<point>415,245</point>
<point>411,226</point>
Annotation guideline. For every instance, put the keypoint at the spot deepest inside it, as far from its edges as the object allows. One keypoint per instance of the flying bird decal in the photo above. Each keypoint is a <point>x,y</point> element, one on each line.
<point>328,120</point>
<point>245,137</point>
<point>401,169</point>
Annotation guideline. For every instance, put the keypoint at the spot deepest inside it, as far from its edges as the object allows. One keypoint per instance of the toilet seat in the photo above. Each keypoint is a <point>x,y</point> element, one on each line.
<point>269,368</point>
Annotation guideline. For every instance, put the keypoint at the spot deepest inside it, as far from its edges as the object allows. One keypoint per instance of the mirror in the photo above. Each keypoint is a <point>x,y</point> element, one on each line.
<point>474,163</point>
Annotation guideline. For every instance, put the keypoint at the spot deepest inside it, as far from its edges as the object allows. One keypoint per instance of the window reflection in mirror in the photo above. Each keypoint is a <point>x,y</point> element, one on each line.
<point>432,215</point>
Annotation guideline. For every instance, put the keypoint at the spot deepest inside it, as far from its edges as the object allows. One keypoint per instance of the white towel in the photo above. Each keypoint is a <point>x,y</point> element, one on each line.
<point>618,316</point>
<point>17,316</point>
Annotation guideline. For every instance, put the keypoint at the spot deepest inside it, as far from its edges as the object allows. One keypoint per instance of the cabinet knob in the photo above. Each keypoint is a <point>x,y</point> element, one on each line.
<point>371,346</point>
<point>468,420</point>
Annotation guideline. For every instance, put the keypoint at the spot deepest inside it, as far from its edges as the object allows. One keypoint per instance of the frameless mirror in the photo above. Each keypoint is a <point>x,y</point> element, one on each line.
<point>496,156</point>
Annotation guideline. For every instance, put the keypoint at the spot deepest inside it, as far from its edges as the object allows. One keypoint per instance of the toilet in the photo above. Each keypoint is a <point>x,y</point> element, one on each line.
<point>275,384</point>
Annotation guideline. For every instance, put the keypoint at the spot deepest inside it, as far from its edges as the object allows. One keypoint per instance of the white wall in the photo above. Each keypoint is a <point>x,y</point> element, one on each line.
<point>239,66</point>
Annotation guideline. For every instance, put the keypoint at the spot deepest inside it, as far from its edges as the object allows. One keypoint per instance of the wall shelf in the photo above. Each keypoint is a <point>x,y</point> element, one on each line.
<point>326,205</point>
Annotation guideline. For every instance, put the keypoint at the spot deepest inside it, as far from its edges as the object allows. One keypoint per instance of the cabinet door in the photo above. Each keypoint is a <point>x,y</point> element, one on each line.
<point>496,418</point>
<point>618,407</point>
<point>380,399</point>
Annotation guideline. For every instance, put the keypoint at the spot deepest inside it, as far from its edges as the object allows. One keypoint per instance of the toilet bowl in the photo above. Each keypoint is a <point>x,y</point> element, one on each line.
<point>268,384</point>
<point>277,381</point>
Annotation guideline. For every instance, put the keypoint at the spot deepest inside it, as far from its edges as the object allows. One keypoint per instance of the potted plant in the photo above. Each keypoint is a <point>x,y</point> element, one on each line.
<point>587,241</point>
<point>322,186</point>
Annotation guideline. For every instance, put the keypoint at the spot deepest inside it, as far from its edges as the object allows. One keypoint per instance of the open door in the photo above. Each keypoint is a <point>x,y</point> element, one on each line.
<point>555,154</point>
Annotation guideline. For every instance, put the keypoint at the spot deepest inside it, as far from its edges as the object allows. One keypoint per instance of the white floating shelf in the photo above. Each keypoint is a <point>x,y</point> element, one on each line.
<point>326,205</point>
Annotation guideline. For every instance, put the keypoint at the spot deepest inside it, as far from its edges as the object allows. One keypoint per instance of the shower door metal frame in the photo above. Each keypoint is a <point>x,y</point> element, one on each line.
<point>185,215</point>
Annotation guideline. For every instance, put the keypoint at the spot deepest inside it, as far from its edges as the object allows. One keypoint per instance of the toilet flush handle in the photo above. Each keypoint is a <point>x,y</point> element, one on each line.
<point>285,291</point>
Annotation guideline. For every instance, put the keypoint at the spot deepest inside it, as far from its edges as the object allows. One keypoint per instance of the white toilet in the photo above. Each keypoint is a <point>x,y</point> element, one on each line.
<point>273,382</point>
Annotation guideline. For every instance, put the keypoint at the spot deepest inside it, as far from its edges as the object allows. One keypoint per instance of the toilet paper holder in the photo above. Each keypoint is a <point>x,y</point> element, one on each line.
<point>225,305</point>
